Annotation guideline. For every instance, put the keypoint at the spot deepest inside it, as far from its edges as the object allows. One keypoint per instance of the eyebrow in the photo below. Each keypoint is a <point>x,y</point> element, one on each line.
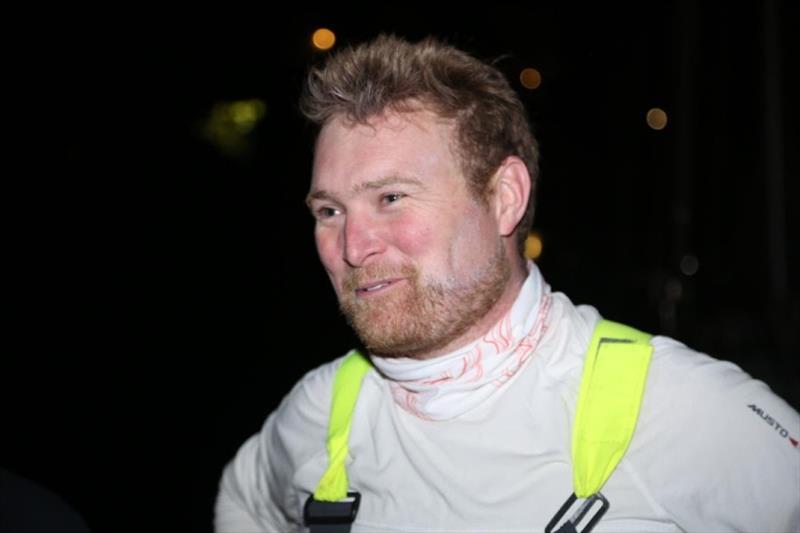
<point>322,194</point>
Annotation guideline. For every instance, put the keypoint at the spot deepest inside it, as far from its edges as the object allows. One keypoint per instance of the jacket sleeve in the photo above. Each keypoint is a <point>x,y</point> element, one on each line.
<point>720,452</point>
<point>260,489</point>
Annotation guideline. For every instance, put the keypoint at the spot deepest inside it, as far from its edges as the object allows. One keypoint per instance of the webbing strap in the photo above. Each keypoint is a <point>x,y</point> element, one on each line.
<point>346,386</point>
<point>610,396</point>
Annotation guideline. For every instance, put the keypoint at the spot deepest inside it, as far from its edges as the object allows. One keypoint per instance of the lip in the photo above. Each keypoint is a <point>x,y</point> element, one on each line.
<point>374,288</point>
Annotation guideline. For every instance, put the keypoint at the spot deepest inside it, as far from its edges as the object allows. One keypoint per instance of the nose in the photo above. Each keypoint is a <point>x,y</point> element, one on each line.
<point>361,240</point>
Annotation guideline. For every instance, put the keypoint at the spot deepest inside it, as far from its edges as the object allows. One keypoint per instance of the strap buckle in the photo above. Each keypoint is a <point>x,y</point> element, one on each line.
<point>570,525</point>
<point>341,512</point>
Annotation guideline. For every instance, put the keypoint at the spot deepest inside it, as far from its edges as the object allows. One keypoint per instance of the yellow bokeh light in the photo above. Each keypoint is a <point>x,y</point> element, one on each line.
<point>533,246</point>
<point>323,39</point>
<point>229,124</point>
<point>245,113</point>
<point>530,78</point>
<point>657,118</point>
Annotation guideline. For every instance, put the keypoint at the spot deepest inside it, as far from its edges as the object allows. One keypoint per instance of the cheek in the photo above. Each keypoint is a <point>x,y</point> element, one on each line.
<point>429,242</point>
<point>328,249</point>
<point>414,237</point>
<point>472,241</point>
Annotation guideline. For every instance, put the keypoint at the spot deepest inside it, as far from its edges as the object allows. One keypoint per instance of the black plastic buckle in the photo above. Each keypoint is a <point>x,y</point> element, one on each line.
<point>341,512</point>
<point>571,524</point>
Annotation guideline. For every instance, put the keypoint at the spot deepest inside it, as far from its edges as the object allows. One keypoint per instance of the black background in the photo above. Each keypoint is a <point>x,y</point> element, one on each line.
<point>163,296</point>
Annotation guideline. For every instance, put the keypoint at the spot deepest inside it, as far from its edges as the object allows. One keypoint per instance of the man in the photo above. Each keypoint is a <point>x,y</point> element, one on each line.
<point>422,191</point>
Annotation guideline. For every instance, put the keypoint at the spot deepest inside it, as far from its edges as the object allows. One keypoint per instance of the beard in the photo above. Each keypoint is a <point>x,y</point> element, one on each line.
<point>419,316</point>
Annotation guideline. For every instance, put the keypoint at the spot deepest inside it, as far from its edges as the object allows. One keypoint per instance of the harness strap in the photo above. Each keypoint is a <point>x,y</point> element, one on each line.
<point>610,396</point>
<point>332,509</point>
<point>612,387</point>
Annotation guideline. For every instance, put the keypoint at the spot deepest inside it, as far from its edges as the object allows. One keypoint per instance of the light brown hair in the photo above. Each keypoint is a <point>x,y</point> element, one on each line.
<point>390,73</point>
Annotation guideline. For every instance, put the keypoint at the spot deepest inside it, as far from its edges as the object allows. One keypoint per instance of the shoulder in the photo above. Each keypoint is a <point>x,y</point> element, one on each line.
<point>713,445</point>
<point>262,484</point>
<point>309,401</point>
<point>700,397</point>
<point>302,417</point>
<point>681,377</point>
<point>296,433</point>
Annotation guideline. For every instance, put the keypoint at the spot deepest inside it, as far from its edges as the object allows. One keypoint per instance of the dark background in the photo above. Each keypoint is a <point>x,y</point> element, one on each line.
<point>164,294</point>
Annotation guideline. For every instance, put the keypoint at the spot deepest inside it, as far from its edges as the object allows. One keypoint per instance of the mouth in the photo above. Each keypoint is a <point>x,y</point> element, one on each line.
<point>376,287</point>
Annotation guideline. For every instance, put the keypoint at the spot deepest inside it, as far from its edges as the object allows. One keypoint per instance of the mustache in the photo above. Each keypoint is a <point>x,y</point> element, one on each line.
<point>364,275</point>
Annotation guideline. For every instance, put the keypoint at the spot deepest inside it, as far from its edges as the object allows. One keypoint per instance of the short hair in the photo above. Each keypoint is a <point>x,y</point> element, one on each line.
<point>393,74</point>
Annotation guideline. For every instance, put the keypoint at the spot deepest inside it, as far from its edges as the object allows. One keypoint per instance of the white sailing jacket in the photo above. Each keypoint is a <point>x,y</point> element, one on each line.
<point>714,449</point>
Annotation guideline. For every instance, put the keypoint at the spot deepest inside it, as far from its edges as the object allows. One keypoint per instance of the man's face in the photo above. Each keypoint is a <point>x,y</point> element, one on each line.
<point>415,259</point>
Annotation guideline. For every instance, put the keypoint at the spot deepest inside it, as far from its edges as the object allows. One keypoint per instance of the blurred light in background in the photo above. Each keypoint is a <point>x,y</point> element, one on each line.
<point>657,118</point>
<point>323,39</point>
<point>533,246</point>
<point>530,78</point>
<point>689,265</point>
<point>229,123</point>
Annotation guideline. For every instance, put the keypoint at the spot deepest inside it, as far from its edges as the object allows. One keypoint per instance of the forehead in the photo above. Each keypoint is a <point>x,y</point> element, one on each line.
<point>416,143</point>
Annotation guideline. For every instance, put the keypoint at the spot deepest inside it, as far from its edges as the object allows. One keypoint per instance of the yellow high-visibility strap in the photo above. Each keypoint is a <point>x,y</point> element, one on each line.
<point>610,396</point>
<point>346,385</point>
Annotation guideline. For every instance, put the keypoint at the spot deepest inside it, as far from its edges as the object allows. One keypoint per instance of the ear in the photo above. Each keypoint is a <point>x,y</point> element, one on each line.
<point>511,187</point>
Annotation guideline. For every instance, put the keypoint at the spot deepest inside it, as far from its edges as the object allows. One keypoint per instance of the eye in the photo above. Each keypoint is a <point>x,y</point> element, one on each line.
<point>391,197</point>
<point>326,212</point>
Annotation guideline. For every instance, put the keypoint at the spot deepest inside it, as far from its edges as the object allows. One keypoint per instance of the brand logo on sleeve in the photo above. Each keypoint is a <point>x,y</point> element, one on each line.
<point>782,431</point>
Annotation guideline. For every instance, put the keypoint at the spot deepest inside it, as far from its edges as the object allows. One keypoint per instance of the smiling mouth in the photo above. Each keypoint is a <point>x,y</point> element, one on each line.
<point>376,287</point>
